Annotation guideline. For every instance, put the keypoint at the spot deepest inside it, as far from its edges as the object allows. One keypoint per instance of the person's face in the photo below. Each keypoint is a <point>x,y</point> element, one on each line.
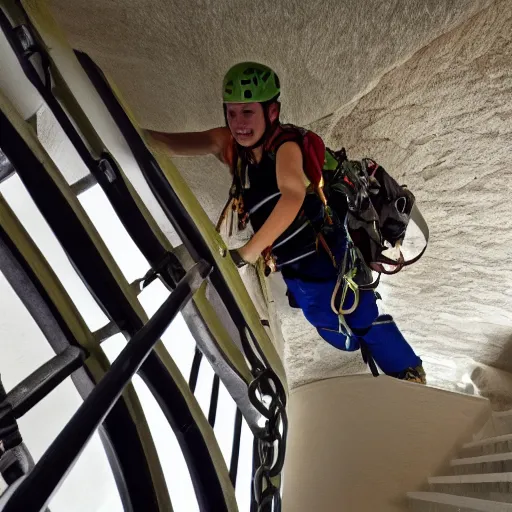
<point>246,122</point>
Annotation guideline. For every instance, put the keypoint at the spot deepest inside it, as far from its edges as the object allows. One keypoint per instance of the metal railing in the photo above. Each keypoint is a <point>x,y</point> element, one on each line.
<point>34,491</point>
<point>264,397</point>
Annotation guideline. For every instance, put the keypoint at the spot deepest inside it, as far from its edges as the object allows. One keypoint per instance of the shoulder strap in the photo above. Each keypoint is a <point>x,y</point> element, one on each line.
<point>284,133</point>
<point>313,148</point>
<point>237,164</point>
<point>418,219</point>
<point>311,145</point>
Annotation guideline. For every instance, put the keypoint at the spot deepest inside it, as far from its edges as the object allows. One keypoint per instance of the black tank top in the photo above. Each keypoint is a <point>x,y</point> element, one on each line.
<point>296,250</point>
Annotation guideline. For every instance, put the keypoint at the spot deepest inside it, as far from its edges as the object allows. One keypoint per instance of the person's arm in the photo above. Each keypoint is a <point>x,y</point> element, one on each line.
<point>210,142</point>
<point>291,183</point>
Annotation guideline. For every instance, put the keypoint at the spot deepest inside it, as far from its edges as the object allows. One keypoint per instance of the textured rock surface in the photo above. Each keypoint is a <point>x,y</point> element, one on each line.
<point>442,123</point>
<point>439,121</point>
<point>168,57</point>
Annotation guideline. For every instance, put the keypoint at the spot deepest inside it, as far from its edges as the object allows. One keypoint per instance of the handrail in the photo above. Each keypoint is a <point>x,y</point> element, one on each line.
<point>37,286</point>
<point>118,299</point>
<point>37,488</point>
<point>87,253</point>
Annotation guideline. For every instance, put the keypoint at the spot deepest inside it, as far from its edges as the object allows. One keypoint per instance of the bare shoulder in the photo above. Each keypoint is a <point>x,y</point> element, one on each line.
<point>222,142</point>
<point>289,155</point>
<point>289,148</point>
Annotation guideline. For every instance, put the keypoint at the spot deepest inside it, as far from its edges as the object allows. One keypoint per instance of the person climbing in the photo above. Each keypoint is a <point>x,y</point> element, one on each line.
<point>291,228</point>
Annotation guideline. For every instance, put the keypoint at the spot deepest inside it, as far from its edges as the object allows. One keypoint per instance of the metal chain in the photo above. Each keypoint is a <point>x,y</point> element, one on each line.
<point>268,396</point>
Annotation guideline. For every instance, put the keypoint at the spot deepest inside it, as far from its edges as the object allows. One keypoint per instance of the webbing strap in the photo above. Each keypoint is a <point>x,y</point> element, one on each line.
<point>418,219</point>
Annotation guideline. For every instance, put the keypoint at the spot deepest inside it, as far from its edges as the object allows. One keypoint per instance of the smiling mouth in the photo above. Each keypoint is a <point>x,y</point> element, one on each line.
<point>244,133</point>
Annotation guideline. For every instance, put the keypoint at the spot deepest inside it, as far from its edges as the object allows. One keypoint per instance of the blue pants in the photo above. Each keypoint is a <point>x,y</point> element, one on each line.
<point>381,335</point>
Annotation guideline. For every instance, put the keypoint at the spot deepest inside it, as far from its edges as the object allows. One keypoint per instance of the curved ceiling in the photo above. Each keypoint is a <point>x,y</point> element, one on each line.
<point>168,57</point>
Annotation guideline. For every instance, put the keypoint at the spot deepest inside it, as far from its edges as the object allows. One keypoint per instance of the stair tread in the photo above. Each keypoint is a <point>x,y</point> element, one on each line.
<point>468,479</point>
<point>461,501</point>
<point>489,440</point>
<point>495,457</point>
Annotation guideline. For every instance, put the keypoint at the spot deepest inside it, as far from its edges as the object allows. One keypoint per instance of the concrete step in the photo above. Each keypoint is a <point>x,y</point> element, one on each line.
<point>488,446</point>
<point>495,463</point>
<point>438,502</point>
<point>490,486</point>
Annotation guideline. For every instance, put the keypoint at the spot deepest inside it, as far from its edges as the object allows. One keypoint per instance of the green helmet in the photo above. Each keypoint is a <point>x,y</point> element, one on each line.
<point>250,82</point>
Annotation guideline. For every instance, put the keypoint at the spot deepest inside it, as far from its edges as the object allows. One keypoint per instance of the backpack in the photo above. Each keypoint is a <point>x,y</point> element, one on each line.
<point>374,208</point>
